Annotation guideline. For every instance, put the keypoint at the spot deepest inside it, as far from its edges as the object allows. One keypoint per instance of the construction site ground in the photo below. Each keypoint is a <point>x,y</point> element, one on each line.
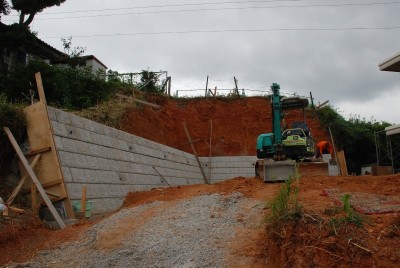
<point>220,225</point>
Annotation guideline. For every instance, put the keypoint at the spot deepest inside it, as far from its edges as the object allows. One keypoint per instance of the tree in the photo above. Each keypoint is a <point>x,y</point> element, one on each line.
<point>4,8</point>
<point>149,82</point>
<point>31,7</point>
<point>18,35</point>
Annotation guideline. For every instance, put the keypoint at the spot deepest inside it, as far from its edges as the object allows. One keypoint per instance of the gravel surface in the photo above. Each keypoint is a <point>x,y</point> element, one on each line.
<point>186,233</point>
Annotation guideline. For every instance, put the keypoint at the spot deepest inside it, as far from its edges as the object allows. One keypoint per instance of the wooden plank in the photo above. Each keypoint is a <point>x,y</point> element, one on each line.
<point>137,100</point>
<point>21,182</point>
<point>195,153</point>
<point>342,163</point>
<point>34,178</point>
<point>38,151</point>
<point>148,103</point>
<point>40,88</point>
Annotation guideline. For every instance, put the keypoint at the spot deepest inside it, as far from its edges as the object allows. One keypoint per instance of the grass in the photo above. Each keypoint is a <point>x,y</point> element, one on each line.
<point>285,205</point>
<point>349,216</point>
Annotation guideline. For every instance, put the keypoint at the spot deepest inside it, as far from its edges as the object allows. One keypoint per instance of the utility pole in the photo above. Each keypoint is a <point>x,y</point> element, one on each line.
<point>236,86</point>
<point>206,87</point>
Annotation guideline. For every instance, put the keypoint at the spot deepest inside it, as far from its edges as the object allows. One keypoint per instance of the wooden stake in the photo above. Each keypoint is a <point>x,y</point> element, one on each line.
<point>21,182</point>
<point>39,85</point>
<point>33,198</point>
<point>195,153</point>
<point>83,202</point>
<point>34,178</point>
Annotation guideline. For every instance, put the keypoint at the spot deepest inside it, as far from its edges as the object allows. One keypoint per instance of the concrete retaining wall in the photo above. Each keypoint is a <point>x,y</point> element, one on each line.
<point>111,163</point>
<point>227,167</point>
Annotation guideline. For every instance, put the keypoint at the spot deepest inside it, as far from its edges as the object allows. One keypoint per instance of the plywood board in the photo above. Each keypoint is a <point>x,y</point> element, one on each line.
<point>342,163</point>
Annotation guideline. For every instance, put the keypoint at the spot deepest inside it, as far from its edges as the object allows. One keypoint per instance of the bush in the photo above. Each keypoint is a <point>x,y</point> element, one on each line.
<point>66,87</point>
<point>11,116</point>
<point>355,136</point>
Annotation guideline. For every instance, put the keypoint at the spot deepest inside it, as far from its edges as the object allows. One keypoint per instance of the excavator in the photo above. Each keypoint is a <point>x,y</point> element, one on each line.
<point>282,147</point>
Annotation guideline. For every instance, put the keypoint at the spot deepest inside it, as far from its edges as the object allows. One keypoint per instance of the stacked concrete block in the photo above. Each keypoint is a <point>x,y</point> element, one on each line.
<point>111,163</point>
<point>222,168</point>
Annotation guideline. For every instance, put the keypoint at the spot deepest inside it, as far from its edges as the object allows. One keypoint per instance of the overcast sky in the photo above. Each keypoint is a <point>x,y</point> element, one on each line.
<point>329,47</point>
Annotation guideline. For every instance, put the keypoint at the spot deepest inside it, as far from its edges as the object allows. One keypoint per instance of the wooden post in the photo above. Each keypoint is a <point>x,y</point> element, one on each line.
<point>34,178</point>
<point>334,151</point>
<point>195,153</point>
<point>33,197</point>
<point>83,202</point>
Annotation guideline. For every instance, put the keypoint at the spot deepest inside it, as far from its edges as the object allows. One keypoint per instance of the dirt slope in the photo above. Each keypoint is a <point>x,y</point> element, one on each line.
<point>236,123</point>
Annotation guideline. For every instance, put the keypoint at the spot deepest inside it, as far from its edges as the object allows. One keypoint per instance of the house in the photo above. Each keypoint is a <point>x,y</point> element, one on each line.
<point>35,47</point>
<point>391,64</point>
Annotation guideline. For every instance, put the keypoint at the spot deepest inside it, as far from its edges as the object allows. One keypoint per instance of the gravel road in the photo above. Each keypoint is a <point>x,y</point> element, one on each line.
<point>195,232</point>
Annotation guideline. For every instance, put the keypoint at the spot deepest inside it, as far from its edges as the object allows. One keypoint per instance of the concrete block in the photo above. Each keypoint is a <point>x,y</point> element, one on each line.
<point>113,154</point>
<point>96,138</point>
<point>106,141</point>
<point>63,117</point>
<point>114,143</point>
<point>66,174</point>
<point>104,152</point>
<point>106,176</point>
<point>107,131</point>
<point>98,128</point>
<point>123,166</point>
<point>74,191</point>
<point>82,147</point>
<point>58,143</point>
<point>122,145</point>
<point>68,145</point>
<point>103,163</point>
<point>91,176</point>
<point>59,129</point>
<point>122,155</point>
<point>92,162</point>
<point>94,150</point>
<point>78,175</point>
<point>87,124</point>
<point>52,113</point>
<point>67,159</point>
<point>82,135</point>
<point>80,160</point>
<point>76,121</point>
<point>113,165</point>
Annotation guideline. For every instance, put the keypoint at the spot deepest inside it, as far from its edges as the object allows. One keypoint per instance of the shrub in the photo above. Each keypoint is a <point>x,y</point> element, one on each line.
<point>11,116</point>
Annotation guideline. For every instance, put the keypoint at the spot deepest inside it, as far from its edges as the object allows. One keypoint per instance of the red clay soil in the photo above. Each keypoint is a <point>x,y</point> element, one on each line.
<point>236,123</point>
<point>311,242</point>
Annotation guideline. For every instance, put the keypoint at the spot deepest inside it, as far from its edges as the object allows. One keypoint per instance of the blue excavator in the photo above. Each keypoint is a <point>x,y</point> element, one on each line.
<point>294,142</point>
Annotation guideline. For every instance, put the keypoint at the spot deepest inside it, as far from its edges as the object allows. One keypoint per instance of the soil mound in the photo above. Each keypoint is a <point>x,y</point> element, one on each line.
<point>218,126</point>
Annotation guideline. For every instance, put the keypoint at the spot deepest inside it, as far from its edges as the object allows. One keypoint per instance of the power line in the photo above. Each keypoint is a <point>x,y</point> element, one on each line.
<point>220,9</point>
<point>171,5</point>
<point>235,31</point>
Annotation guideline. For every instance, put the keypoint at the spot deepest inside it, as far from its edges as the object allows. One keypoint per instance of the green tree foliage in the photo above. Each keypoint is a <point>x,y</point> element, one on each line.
<point>355,136</point>
<point>149,82</point>
<point>74,54</point>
